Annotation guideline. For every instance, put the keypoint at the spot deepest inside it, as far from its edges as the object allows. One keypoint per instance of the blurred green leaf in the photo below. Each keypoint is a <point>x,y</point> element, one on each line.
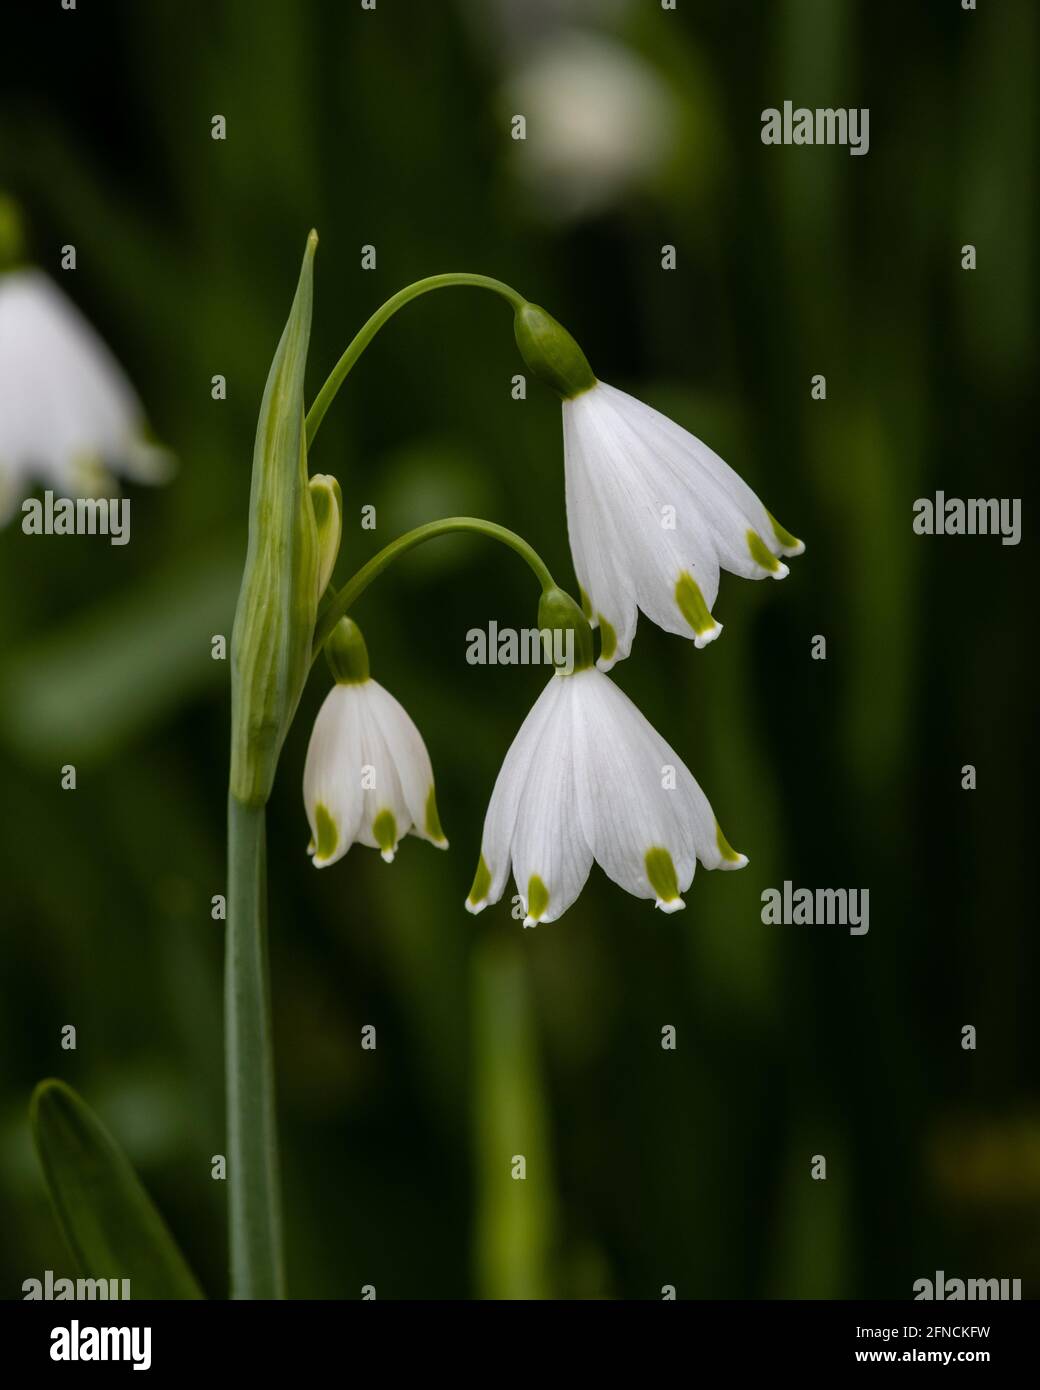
<point>109,1221</point>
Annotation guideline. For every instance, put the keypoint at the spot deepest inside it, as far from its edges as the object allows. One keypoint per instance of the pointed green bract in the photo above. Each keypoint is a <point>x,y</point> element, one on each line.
<point>346,653</point>
<point>692,606</point>
<point>384,831</point>
<point>278,602</point>
<point>110,1223</point>
<point>481,884</point>
<point>327,834</point>
<point>537,897</point>
<point>607,639</point>
<point>760,554</point>
<point>661,872</point>
<point>432,819</point>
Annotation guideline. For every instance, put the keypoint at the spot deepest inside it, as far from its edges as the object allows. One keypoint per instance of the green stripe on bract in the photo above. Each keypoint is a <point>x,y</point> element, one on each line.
<point>785,538</point>
<point>326,834</point>
<point>607,639</point>
<point>661,872</point>
<point>760,554</point>
<point>481,883</point>
<point>537,897</point>
<point>433,820</point>
<point>692,606</point>
<point>384,831</point>
<point>725,848</point>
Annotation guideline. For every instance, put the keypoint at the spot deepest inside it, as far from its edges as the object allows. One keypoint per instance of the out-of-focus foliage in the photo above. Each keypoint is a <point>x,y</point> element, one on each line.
<point>392,129</point>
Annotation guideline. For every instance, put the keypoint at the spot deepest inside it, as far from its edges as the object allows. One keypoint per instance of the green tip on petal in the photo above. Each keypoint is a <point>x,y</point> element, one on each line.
<point>432,822</point>
<point>537,900</point>
<point>477,899</point>
<point>764,557</point>
<point>693,608</point>
<point>384,832</point>
<point>789,544</point>
<point>326,836</point>
<point>663,879</point>
<point>346,653</point>
<point>731,858</point>
<point>607,641</point>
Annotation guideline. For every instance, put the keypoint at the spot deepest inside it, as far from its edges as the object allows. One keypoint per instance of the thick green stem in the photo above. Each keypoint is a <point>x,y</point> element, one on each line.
<point>368,331</point>
<point>257,1269</point>
<point>359,582</point>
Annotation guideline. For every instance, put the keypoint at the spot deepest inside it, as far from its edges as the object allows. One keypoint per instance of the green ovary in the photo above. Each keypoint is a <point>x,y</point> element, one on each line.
<point>661,872</point>
<point>325,833</point>
<point>692,606</point>
<point>759,553</point>
<point>537,897</point>
<point>384,831</point>
<point>481,883</point>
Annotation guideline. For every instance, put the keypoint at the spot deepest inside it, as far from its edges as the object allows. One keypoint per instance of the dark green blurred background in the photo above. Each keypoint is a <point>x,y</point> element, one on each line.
<point>391,128</point>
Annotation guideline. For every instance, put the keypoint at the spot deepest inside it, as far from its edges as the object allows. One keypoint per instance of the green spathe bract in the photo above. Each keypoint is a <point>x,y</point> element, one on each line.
<point>551,353</point>
<point>277,606</point>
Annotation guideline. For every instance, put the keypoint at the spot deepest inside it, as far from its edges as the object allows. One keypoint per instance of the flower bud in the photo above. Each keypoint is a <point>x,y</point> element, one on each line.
<point>551,353</point>
<point>328,517</point>
<point>278,601</point>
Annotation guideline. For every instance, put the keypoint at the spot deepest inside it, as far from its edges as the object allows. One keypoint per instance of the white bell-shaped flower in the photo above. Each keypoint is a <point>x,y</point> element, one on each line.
<point>68,415</point>
<point>367,778</point>
<point>589,778</point>
<point>653,514</point>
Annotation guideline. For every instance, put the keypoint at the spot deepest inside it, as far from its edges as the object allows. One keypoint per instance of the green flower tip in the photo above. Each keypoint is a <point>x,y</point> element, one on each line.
<point>660,870</point>
<point>12,233</point>
<point>384,832</point>
<point>693,608</point>
<point>326,837</point>
<point>789,544</point>
<point>764,557</point>
<point>551,353</point>
<point>537,901</point>
<point>731,858</point>
<point>477,900</point>
<point>557,610</point>
<point>433,822</point>
<point>347,654</point>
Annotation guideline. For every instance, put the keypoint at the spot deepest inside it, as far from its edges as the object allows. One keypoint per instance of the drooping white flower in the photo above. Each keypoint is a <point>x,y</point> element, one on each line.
<point>653,514</point>
<point>367,778</point>
<point>589,778</point>
<point>68,415</point>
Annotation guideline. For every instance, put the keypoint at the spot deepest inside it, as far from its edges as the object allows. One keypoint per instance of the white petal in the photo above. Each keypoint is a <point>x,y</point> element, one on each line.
<point>500,822</point>
<point>332,773</point>
<point>551,857</point>
<point>411,760</point>
<point>382,788</point>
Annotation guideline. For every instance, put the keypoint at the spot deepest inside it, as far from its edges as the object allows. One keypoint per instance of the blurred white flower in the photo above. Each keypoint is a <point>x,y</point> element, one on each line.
<point>68,415</point>
<point>367,778</point>
<point>599,121</point>
<point>588,777</point>
<point>653,514</point>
